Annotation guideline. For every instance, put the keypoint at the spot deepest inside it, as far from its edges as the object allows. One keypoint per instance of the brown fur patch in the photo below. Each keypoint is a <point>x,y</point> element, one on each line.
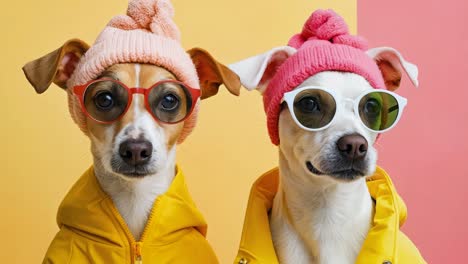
<point>391,75</point>
<point>124,73</point>
<point>148,76</point>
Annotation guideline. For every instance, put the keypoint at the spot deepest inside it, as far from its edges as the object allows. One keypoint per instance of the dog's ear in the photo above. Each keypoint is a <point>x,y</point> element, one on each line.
<point>56,67</point>
<point>212,74</point>
<point>256,72</point>
<point>391,64</point>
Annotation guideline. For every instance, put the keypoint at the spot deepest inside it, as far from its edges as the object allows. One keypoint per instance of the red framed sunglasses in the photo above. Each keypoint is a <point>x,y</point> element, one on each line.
<point>107,100</point>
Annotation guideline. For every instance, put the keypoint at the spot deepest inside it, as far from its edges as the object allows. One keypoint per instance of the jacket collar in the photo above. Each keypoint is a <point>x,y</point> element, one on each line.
<point>90,212</point>
<point>256,244</point>
<point>390,214</point>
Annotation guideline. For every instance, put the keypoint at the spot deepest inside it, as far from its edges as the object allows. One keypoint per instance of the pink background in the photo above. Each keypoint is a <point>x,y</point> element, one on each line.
<point>426,154</point>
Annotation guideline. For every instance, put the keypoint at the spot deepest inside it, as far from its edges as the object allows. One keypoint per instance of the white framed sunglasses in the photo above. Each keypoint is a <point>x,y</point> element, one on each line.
<point>314,108</point>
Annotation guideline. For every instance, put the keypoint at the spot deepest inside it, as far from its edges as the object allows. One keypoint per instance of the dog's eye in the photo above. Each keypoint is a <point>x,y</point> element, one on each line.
<point>169,102</point>
<point>372,107</point>
<point>308,104</point>
<point>104,100</point>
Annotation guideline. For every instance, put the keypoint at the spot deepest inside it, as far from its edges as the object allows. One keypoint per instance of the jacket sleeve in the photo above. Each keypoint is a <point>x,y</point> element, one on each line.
<point>202,250</point>
<point>59,251</point>
<point>407,251</point>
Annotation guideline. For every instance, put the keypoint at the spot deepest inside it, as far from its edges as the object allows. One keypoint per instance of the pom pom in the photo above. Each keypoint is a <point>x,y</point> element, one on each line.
<point>324,25</point>
<point>329,26</point>
<point>152,15</point>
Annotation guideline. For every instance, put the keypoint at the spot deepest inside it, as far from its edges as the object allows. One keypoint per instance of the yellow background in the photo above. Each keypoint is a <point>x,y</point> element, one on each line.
<point>44,152</point>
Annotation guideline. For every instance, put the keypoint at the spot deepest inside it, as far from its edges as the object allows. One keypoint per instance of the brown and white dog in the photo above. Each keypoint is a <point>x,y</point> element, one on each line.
<point>134,157</point>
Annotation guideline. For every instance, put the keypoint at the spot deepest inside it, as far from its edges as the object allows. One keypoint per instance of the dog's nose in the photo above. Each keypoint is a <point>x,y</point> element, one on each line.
<point>352,146</point>
<point>135,152</point>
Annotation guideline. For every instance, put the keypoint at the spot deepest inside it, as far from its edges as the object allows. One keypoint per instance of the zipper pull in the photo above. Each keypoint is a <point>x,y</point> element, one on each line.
<point>138,257</point>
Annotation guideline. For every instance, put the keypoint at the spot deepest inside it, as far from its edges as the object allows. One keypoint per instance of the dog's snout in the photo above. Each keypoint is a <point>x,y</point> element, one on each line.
<point>135,152</point>
<point>352,146</point>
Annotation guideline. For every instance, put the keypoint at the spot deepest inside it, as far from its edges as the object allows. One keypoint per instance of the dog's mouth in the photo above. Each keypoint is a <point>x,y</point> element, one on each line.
<point>348,174</point>
<point>132,171</point>
<point>312,169</point>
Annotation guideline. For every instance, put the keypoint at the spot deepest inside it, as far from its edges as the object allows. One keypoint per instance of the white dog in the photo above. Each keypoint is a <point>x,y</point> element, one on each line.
<point>326,123</point>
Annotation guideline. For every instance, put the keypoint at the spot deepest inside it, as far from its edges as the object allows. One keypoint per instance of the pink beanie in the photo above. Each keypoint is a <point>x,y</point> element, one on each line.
<point>147,34</point>
<point>323,45</point>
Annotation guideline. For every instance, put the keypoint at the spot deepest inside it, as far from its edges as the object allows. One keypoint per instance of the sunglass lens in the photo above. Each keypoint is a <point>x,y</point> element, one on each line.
<point>314,108</point>
<point>106,100</point>
<point>378,110</point>
<point>170,102</point>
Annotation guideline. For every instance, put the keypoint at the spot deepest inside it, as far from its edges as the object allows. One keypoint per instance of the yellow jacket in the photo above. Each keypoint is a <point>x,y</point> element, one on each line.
<point>385,243</point>
<point>92,230</point>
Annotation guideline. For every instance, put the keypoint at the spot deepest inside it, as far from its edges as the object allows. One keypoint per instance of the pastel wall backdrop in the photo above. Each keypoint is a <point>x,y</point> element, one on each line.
<point>427,153</point>
<point>44,152</point>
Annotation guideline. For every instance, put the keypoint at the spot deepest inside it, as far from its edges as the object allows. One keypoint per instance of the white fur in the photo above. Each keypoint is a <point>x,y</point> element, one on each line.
<point>317,219</point>
<point>134,198</point>
<point>136,97</point>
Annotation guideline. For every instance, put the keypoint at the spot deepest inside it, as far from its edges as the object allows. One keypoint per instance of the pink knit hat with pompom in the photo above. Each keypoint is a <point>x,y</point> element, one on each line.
<point>323,45</point>
<point>147,34</point>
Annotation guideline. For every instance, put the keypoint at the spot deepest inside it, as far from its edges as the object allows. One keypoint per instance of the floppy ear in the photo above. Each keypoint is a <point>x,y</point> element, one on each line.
<point>256,72</point>
<point>56,67</point>
<point>212,74</point>
<point>391,64</point>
